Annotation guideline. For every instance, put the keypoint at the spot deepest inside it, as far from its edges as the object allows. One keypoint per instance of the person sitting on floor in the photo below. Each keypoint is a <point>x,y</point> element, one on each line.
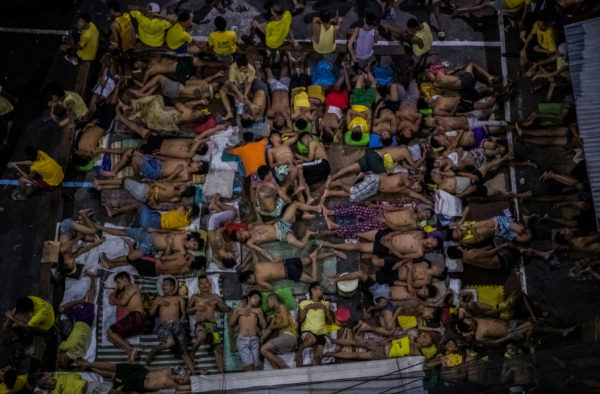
<point>44,173</point>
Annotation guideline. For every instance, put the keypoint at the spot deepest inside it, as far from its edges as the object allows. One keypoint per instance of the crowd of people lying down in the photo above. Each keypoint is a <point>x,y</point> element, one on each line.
<point>340,156</point>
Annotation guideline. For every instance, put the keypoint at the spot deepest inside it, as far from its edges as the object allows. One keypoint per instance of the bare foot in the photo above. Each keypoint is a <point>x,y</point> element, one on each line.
<point>519,130</point>
<point>324,196</point>
<point>339,254</point>
<point>567,331</point>
<point>328,182</point>
<point>525,195</point>
<point>330,224</point>
<point>228,116</point>
<point>548,254</point>
<point>327,212</point>
<point>299,189</point>
<point>109,210</point>
<point>308,216</point>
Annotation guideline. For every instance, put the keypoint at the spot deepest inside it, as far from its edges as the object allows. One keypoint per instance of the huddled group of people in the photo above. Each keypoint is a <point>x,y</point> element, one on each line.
<point>340,155</point>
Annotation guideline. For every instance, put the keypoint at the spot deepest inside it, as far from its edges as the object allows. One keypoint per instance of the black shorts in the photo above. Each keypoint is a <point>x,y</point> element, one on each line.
<point>481,190</point>
<point>153,143</point>
<point>293,268</point>
<point>316,172</point>
<point>299,81</point>
<point>321,339</point>
<point>378,248</point>
<point>371,161</point>
<point>388,104</point>
<point>144,266</point>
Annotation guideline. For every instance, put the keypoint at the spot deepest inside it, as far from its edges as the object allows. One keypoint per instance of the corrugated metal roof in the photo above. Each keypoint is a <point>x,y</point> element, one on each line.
<point>583,46</point>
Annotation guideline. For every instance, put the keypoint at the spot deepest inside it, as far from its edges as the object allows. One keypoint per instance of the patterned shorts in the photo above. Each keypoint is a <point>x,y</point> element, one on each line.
<point>367,188</point>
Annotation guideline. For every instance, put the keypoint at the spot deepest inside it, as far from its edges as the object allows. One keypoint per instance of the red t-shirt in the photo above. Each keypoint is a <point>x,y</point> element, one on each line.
<point>338,99</point>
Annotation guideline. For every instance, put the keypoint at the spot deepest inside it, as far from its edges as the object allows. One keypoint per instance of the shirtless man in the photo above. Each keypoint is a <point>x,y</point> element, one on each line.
<point>173,264</point>
<point>410,245</point>
<point>279,113</point>
<point>222,250</point>
<point>150,242</point>
<point>472,184</point>
<point>176,148</point>
<point>291,269</point>
<point>379,349</point>
<point>408,117</point>
<point>171,331</point>
<point>203,305</point>
<point>586,244</point>
<point>419,274</point>
<point>406,218</point>
<point>193,88</point>
<point>152,193</point>
<point>156,168</point>
<point>373,161</point>
<point>281,159</point>
<point>491,330</point>
<point>453,368</point>
<point>315,165</point>
<point>400,183</point>
<point>465,80</point>
<point>87,142</point>
<point>268,197</point>
<point>385,123</point>
<point>441,124</point>
<point>278,231</point>
<point>475,232</point>
<point>248,316</point>
<point>128,296</point>
<point>479,137</point>
<point>518,369</point>
<point>71,232</point>
<point>138,378</point>
<point>459,159</point>
<point>255,105</point>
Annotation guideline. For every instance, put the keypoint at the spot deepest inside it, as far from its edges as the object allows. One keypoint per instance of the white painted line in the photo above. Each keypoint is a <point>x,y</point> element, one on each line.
<point>34,31</point>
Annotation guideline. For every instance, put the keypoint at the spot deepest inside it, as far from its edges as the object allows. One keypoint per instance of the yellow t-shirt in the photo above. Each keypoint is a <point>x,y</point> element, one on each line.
<point>241,78</point>
<point>400,348</point>
<point>358,121</point>
<point>177,36</point>
<point>546,39</point>
<point>172,220</point>
<point>68,383</point>
<point>515,3</point>
<point>301,100</point>
<point>88,43</point>
<point>127,34</point>
<point>326,42</point>
<point>19,384</point>
<point>43,313</point>
<point>151,31</point>
<point>78,341</point>
<point>53,175</point>
<point>78,105</point>
<point>427,38</point>
<point>223,42</point>
<point>277,31</point>
<point>315,319</point>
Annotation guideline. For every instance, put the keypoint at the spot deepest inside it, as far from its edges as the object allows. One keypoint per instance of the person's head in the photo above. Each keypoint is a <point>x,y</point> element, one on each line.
<point>202,149</point>
<point>185,19</point>
<point>168,286</point>
<point>10,378</point>
<point>228,262</point>
<point>424,339</point>
<point>182,378</point>
<point>204,285</point>
<point>436,143</point>
<point>273,300</point>
<point>305,138</point>
<point>136,64</point>
<point>220,23</point>
<point>114,8</point>
<point>276,11</point>
<point>416,186</point>
<point>428,291</point>
<point>194,241</point>
<point>186,191</point>
<point>325,15</point>
<point>315,291</point>
<point>327,135</point>
<point>24,305</point>
<point>279,122</point>
<point>275,138</point>
<point>386,138</point>
<point>425,76</point>
<point>434,241</point>
<point>451,346</point>
<point>122,279</point>
<point>248,136</point>
<point>406,132</point>
<point>439,271</point>
<point>253,298</point>
<point>263,172</point>
<point>46,381</point>
<point>424,214</point>
<point>371,20</point>
<point>240,236</point>
<point>454,252</point>
<point>356,134</point>
<point>247,277</point>
<point>198,263</point>
<point>512,349</point>
<point>301,124</point>
<point>428,313</point>
<point>413,25</point>
<point>83,22</point>
<point>55,90</point>
<point>247,121</point>
<point>199,167</point>
<point>192,210</point>
<point>465,325</point>
<point>242,63</point>
<point>30,153</point>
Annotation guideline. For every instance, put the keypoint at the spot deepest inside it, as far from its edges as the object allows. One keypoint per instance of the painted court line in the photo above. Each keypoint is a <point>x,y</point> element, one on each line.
<point>13,182</point>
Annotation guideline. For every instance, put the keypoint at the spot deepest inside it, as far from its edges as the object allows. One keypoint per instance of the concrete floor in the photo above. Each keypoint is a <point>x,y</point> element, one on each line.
<point>32,60</point>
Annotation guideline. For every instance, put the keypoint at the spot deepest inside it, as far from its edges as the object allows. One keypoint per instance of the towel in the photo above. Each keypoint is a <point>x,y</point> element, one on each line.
<point>447,204</point>
<point>220,181</point>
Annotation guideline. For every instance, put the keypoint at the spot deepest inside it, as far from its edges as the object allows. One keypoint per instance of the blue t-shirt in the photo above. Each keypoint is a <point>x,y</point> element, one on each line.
<point>375,141</point>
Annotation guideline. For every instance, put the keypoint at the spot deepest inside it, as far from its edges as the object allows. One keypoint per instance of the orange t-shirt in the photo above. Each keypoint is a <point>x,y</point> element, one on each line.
<point>253,155</point>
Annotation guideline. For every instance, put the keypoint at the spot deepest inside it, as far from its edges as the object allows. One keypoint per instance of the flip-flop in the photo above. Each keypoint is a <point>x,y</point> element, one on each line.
<point>441,35</point>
